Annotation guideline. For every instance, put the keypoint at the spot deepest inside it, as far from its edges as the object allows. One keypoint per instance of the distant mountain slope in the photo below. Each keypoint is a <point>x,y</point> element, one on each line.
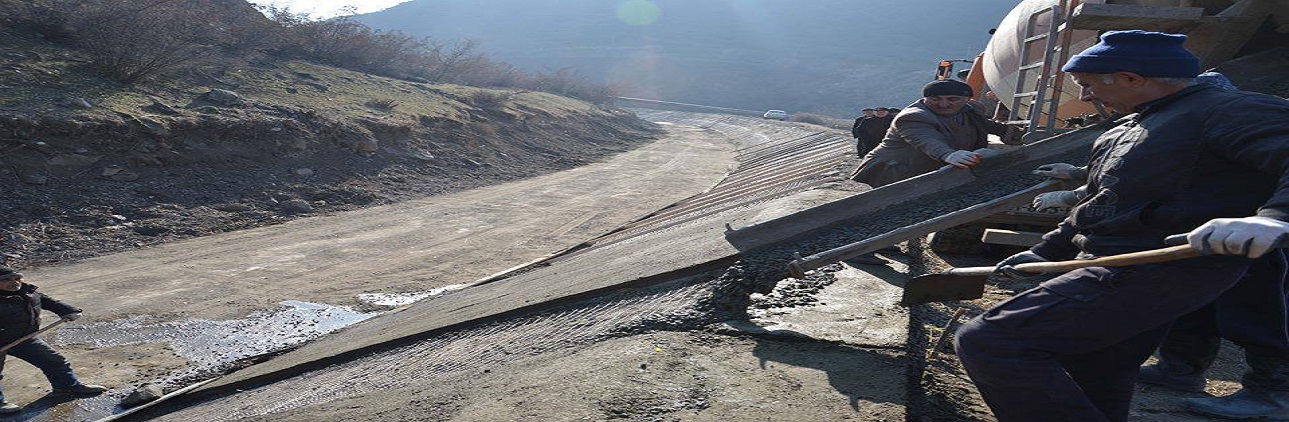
<point>823,56</point>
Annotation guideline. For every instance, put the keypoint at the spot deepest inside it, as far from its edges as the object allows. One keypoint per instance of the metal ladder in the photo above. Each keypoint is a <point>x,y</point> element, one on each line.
<point>1046,95</point>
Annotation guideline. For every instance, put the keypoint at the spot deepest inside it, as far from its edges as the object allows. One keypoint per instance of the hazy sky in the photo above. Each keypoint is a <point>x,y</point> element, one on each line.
<point>330,8</point>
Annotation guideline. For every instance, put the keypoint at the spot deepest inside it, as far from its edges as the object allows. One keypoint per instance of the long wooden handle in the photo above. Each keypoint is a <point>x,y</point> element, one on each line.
<point>1171,253</point>
<point>29,336</point>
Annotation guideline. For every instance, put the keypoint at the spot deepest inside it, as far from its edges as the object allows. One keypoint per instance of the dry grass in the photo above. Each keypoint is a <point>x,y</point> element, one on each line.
<point>820,120</point>
<point>385,104</point>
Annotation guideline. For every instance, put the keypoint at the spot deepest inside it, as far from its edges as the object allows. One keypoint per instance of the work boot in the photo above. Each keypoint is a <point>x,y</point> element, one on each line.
<point>87,389</point>
<point>1174,377</point>
<point>1247,403</point>
<point>9,408</point>
<point>867,259</point>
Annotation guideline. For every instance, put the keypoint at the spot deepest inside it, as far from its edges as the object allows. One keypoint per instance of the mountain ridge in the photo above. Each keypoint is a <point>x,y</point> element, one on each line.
<point>823,56</point>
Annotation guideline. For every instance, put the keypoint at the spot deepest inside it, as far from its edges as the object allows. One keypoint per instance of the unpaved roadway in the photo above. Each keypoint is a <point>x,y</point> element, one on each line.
<point>415,246</point>
<point>841,358</point>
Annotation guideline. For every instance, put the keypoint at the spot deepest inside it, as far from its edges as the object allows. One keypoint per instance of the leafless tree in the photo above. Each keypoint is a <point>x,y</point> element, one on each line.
<point>132,40</point>
<point>450,60</point>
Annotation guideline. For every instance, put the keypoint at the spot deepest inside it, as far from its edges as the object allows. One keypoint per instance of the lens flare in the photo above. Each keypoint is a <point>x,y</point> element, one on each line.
<point>638,12</point>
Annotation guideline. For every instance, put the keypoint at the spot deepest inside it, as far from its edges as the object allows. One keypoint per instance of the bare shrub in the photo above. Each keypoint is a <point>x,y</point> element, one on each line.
<point>49,18</point>
<point>487,72</point>
<point>382,103</point>
<point>487,99</point>
<point>345,43</point>
<point>130,41</point>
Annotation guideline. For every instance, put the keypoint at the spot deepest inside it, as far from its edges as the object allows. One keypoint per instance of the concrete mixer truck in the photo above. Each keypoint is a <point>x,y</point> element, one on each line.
<point>1248,40</point>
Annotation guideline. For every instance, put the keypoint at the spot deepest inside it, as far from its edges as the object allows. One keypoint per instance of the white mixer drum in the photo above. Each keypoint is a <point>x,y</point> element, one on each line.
<point>1002,57</point>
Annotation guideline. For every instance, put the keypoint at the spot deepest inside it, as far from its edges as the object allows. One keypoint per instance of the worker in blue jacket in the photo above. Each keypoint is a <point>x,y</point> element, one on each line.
<point>1191,155</point>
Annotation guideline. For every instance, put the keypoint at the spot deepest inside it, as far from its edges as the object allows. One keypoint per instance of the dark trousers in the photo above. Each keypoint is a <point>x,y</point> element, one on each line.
<point>39,354</point>
<point>1069,349</point>
<point>863,146</point>
<point>1253,315</point>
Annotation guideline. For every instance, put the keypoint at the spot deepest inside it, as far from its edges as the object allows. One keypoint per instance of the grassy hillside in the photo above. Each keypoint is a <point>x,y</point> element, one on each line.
<point>93,166</point>
<point>823,56</point>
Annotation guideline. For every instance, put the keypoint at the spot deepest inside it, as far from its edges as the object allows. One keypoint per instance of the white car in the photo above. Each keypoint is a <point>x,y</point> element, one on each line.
<point>775,114</point>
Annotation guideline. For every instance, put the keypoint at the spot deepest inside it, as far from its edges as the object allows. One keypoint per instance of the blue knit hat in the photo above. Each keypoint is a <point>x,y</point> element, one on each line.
<point>1150,54</point>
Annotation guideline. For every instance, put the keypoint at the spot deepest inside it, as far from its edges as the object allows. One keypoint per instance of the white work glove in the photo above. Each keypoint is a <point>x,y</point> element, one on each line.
<point>962,159</point>
<point>71,317</point>
<point>1005,267</point>
<point>1061,171</point>
<point>1060,198</point>
<point>1248,236</point>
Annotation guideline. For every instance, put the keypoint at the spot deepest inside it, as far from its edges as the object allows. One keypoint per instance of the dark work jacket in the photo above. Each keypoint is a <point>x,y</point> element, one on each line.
<point>1182,160</point>
<point>870,132</point>
<point>20,312</point>
<point>854,129</point>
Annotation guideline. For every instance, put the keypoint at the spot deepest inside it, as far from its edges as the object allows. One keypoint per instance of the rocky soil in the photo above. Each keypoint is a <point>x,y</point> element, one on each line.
<point>89,168</point>
<point>64,201</point>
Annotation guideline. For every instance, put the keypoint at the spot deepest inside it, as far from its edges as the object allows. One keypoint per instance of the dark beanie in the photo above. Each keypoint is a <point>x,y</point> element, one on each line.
<point>946,87</point>
<point>1149,54</point>
<point>7,273</point>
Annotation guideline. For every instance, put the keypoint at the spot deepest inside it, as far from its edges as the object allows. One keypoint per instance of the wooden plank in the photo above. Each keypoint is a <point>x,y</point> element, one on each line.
<point>798,267</point>
<point>1260,72</point>
<point>1011,237</point>
<point>1218,38</point>
<point>1280,15</point>
<point>1095,16</point>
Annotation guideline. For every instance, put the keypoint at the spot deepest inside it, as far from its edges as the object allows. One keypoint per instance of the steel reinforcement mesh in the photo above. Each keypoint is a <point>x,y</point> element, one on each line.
<point>673,305</point>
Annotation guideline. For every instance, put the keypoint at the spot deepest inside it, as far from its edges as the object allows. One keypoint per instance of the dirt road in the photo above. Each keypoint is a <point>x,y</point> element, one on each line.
<point>841,355</point>
<point>416,246</point>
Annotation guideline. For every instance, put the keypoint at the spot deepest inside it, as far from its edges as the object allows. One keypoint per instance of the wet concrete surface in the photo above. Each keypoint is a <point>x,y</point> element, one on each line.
<point>209,347</point>
<point>651,258</point>
<point>493,345</point>
<point>828,348</point>
<point>212,344</point>
<point>859,306</point>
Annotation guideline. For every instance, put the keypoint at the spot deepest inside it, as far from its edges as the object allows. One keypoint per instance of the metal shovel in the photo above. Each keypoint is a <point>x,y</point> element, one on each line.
<point>969,283</point>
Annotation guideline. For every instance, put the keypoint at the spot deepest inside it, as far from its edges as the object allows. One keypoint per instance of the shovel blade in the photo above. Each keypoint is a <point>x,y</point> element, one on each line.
<point>942,288</point>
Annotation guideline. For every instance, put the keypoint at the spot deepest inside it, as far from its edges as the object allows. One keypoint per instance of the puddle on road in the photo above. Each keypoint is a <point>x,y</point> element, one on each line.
<point>208,344</point>
<point>400,299</point>
<point>211,346</point>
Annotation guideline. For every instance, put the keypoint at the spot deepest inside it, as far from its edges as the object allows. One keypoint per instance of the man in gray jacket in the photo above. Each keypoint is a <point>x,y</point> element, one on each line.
<point>943,127</point>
